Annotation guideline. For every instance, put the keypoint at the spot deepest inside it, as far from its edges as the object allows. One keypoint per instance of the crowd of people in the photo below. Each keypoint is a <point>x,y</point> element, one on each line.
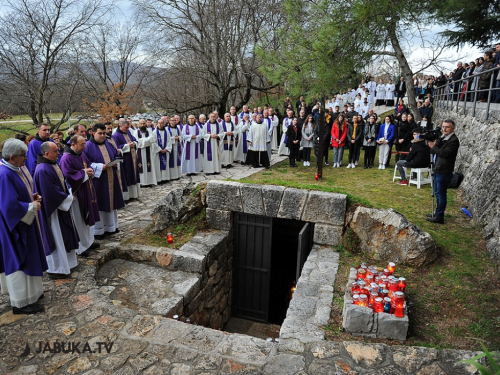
<point>60,193</point>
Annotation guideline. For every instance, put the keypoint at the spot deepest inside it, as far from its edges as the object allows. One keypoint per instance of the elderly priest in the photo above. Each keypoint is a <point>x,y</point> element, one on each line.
<point>50,183</point>
<point>22,257</point>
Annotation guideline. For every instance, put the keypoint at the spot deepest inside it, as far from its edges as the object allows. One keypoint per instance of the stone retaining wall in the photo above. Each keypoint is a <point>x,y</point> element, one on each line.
<point>210,255</point>
<point>479,161</point>
<point>326,210</point>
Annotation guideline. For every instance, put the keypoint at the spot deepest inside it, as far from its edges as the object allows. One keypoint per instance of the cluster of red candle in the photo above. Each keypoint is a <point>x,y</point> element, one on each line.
<point>378,289</point>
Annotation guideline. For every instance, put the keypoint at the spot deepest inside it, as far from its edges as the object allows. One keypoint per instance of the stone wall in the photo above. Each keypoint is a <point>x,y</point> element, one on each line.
<point>479,161</point>
<point>326,210</point>
<point>208,257</point>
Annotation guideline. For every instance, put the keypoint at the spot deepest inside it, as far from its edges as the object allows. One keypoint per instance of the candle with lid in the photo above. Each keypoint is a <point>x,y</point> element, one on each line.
<point>391,267</point>
<point>362,265</point>
<point>379,305</point>
<point>387,305</point>
<point>355,299</point>
<point>393,286</point>
<point>363,300</point>
<point>361,274</point>
<point>371,299</point>
<point>355,287</point>
<point>399,303</point>
<point>170,238</point>
<point>402,284</point>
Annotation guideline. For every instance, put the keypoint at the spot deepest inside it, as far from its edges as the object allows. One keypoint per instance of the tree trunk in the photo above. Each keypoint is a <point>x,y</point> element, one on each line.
<point>407,73</point>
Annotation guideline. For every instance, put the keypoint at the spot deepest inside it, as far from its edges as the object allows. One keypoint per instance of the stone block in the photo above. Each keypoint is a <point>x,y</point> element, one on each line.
<point>251,196</point>
<point>326,234</point>
<point>357,319</point>
<point>366,355</point>
<point>285,364</point>
<point>391,327</point>
<point>271,195</point>
<point>292,204</point>
<point>168,306</point>
<point>414,357</point>
<point>224,195</point>
<point>327,208</point>
<point>290,346</point>
<point>301,307</point>
<point>186,261</point>
<point>296,328</point>
<point>219,219</point>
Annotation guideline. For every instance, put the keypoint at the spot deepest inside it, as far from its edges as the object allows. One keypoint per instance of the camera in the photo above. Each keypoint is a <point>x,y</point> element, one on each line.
<point>431,135</point>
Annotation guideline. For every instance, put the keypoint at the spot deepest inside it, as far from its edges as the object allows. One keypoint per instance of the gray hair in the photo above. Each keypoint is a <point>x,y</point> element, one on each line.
<point>13,147</point>
<point>202,116</point>
<point>44,148</point>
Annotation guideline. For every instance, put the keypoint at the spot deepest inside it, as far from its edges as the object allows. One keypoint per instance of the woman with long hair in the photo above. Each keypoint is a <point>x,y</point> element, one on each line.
<point>339,134</point>
<point>385,139</point>
<point>307,142</point>
<point>402,136</point>
<point>354,136</point>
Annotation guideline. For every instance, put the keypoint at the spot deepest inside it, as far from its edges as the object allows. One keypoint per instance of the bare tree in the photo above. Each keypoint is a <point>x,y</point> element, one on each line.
<point>212,42</point>
<point>37,47</point>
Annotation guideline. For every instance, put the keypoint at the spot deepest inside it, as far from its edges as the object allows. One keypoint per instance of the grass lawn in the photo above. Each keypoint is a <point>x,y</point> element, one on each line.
<point>454,303</point>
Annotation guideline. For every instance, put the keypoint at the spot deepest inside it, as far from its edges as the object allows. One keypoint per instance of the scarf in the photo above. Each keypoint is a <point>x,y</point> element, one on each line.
<point>163,146</point>
<point>188,143</point>
<point>171,163</point>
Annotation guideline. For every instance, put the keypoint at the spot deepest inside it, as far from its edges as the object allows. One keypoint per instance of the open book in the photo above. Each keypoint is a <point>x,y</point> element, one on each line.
<point>114,162</point>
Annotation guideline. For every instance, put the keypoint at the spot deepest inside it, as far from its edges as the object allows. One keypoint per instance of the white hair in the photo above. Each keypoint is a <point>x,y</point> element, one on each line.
<point>13,147</point>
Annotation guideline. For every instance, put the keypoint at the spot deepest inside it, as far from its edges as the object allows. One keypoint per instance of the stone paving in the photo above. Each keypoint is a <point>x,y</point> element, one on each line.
<point>88,329</point>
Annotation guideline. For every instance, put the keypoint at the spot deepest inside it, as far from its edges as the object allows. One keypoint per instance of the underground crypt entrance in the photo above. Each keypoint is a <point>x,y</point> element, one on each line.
<point>268,256</point>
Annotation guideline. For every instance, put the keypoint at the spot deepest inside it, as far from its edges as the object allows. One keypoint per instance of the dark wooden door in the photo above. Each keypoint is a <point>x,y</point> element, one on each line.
<point>252,266</point>
<point>304,247</point>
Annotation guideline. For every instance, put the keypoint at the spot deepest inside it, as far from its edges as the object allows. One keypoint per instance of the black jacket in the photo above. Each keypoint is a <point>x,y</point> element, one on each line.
<point>484,79</point>
<point>419,156</point>
<point>458,74</point>
<point>426,112</point>
<point>403,130</point>
<point>350,115</point>
<point>446,151</point>
<point>359,133</point>
<point>397,91</point>
<point>293,136</point>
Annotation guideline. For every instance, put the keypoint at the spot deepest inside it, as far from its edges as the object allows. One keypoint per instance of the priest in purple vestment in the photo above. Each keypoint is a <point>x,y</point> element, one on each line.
<point>101,152</point>
<point>42,135</point>
<point>50,184</point>
<point>22,257</point>
<point>127,143</point>
<point>76,168</point>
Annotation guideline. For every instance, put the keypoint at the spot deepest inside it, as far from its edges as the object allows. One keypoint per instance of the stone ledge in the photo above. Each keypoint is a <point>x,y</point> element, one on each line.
<point>326,208</point>
<point>326,234</point>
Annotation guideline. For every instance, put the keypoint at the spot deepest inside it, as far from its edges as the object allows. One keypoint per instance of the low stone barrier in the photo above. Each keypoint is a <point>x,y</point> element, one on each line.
<point>326,210</point>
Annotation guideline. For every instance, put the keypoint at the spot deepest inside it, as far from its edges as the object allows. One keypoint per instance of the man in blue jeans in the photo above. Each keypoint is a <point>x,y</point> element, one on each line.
<point>444,154</point>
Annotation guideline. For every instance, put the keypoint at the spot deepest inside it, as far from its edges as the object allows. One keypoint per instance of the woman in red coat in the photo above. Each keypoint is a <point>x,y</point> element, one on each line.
<point>339,134</point>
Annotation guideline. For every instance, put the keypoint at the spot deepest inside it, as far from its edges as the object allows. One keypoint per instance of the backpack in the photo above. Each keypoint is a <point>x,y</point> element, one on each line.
<point>456,180</point>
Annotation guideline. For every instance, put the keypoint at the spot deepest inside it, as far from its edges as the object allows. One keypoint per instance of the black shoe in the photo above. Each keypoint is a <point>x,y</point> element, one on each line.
<point>85,254</point>
<point>34,308</point>
<point>438,220</point>
<point>365,167</point>
<point>99,236</point>
<point>429,215</point>
<point>294,165</point>
<point>326,163</point>
<point>268,167</point>
<point>95,245</point>
<point>290,165</point>
<point>57,275</point>
<point>41,297</point>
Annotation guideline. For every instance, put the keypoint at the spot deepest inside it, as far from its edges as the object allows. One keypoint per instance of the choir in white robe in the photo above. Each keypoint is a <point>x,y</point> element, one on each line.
<point>191,162</point>
<point>357,104</point>
<point>364,110</point>
<point>211,158</point>
<point>241,149</point>
<point>380,93</point>
<point>174,156</point>
<point>227,143</point>
<point>163,143</point>
<point>283,150</point>
<point>146,143</point>
<point>372,87</point>
<point>389,94</point>
<point>276,122</point>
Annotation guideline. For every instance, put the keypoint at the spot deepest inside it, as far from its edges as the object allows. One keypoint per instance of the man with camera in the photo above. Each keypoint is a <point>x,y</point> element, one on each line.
<point>444,152</point>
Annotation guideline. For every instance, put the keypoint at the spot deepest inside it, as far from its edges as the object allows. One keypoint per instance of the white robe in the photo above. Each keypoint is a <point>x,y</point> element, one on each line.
<point>276,122</point>
<point>22,289</point>
<point>364,110</point>
<point>270,128</point>
<point>61,261</point>
<point>85,232</point>
<point>372,86</point>
<point>380,91</point>
<point>194,164</point>
<point>357,105</point>
<point>239,153</point>
<point>214,165</point>
<point>175,171</point>
<point>163,142</point>
<point>389,91</point>
<point>229,141</point>
<point>143,145</point>
<point>283,150</point>
<point>259,136</point>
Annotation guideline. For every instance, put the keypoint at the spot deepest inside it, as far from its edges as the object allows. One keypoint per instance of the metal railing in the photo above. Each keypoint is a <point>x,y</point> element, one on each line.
<point>446,95</point>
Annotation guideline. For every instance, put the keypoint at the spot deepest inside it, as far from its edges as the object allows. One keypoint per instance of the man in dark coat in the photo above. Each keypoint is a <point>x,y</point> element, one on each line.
<point>418,157</point>
<point>455,77</point>
<point>400,89</point>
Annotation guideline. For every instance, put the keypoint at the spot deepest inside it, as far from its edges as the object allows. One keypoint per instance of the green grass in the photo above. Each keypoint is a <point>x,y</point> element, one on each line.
<point>456,299</point>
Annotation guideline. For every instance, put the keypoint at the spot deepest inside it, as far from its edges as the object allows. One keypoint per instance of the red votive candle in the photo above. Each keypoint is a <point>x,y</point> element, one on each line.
<point>363,300</point>
<point>379,305</point>
<point>371,300</point>
<point>402,284</point>
<point>399,303</point>
<point>355,299</point>
<point>355,288</point>
<point>170,238</point>
<point>386,272</point>
<point>393,286</point>
<point>361,274</point>
<point>391,267</point>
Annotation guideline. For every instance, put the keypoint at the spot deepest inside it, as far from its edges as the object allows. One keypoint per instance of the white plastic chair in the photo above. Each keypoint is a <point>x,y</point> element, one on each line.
<point>421,179</point>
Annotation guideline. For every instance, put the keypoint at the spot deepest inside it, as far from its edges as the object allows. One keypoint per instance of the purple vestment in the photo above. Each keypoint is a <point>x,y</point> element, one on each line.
<point>50,184</point>
<point>129,172</point>
<point>21,246</point>
<point>72,166</point>
<point>107,185</point>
